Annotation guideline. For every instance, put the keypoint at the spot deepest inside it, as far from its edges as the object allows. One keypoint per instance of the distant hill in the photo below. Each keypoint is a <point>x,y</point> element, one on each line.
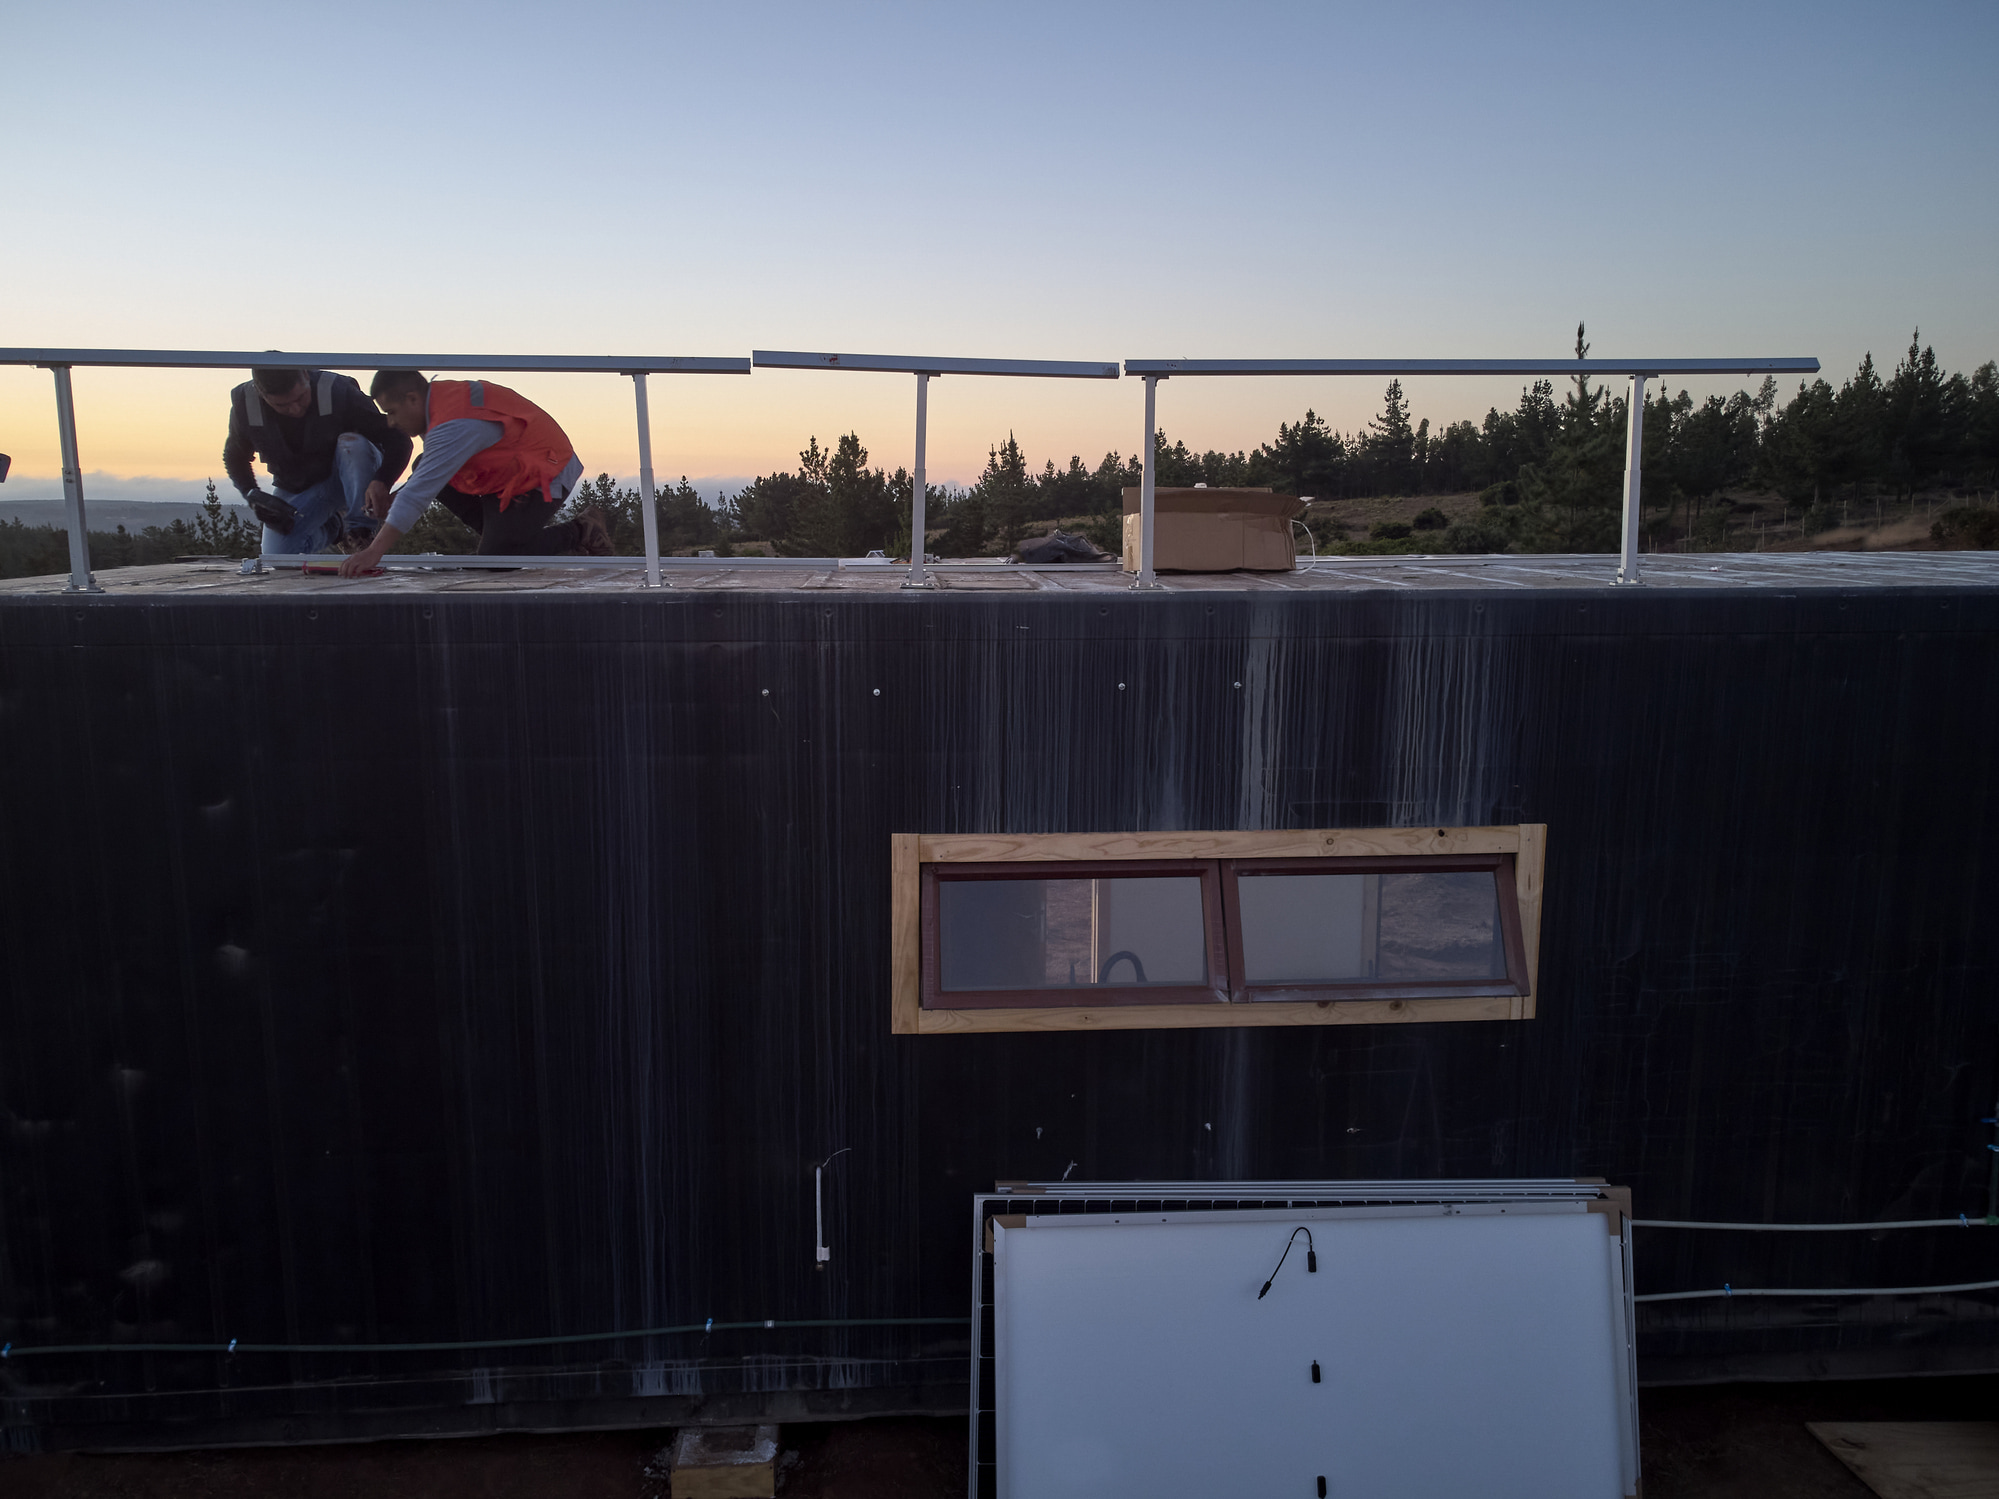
<point>107,515</point>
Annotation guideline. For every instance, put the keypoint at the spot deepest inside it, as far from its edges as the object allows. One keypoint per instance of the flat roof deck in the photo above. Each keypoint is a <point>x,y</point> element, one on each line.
<point>1779,571</point>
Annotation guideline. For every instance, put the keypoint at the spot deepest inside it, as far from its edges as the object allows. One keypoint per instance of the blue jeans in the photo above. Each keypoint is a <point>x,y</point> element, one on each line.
<point>334,507</point>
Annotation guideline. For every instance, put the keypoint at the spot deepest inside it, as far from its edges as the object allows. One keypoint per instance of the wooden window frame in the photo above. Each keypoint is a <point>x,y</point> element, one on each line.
<point>913,936</point>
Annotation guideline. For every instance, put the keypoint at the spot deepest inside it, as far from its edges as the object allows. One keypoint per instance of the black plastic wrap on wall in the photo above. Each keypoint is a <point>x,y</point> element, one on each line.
<point>449,969</point>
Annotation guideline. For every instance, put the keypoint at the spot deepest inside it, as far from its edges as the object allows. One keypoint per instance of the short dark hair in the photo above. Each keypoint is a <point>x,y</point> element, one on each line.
<point>396,383</point>
<point>275,382</point>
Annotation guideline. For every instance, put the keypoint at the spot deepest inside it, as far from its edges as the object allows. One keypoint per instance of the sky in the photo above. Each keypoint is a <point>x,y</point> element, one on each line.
<point>1043,181</point>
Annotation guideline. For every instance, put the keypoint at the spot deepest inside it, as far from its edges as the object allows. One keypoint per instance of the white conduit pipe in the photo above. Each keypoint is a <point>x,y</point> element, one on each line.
<point>1961,1221</point>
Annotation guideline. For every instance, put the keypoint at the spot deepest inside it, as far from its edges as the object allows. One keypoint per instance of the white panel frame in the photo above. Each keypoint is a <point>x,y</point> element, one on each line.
<point>1312,1203</point>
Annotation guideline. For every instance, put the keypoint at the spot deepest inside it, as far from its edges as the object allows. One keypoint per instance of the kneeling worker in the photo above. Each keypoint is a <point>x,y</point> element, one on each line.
<point>329,452</point>
<point>494,459</point>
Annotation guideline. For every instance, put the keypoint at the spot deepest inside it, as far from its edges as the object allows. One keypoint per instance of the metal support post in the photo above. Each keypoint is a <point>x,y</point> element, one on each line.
<point>919,492</point>
<point>80,579</point>
<point>1146,486</point>
<point>1634,461</point>
<point>649,511</point>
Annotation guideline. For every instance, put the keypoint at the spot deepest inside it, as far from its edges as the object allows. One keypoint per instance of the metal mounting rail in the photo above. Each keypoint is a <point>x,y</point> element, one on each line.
<point>925,368</point>
<point>244,359</point>
<point>1167,367</point>
<point>1537,1188</point>
<point>62,361</point>
<point>1152,371</point>
<point>925,364</point>
<point>516,562</point>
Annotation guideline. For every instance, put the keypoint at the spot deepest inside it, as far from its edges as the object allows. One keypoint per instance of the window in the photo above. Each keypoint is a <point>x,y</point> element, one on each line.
<point>1117,930</point>
<point>1072,933</point>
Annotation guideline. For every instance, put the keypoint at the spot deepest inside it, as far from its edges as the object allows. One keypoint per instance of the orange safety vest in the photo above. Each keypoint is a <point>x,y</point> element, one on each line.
<point>532,451</point>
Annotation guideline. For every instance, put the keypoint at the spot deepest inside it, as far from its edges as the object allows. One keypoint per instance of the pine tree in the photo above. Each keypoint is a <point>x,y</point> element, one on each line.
<point>1582,405</point>
<point>1006,493</point>
<point>1914,436</point>
<point>224,533</point>
<point>1390,445</point>
<point>860,510</point>
<point>1308,458</point>
<point>1981,424</point>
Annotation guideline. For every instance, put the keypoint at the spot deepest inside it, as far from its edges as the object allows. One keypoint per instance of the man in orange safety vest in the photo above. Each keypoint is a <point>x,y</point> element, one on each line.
<point>492,458</point>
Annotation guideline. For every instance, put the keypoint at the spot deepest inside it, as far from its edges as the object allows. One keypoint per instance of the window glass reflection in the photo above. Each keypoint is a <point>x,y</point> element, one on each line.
<point>1059,934</point>
<point>1353,928</point>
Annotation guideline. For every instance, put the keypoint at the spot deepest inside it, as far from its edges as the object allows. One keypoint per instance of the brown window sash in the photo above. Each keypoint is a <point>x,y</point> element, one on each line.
<point>1500,866</point>
<point>1213,991</point>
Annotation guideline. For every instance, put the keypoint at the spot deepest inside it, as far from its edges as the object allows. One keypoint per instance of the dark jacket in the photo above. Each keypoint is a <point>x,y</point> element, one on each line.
<point>299,450</point>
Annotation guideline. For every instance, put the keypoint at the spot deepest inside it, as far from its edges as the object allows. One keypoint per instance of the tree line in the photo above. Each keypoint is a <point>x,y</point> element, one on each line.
<point>31,551</point>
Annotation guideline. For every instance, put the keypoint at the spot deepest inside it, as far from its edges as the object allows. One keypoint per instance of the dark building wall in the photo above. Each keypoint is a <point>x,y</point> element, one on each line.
<point>462,968</point>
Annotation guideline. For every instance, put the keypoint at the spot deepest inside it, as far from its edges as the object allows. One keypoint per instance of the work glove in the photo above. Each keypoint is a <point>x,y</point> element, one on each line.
<point>279,515</point>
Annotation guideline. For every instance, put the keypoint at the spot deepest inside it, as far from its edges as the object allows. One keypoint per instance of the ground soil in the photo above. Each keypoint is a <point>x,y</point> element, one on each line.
<point>1716,1441</point>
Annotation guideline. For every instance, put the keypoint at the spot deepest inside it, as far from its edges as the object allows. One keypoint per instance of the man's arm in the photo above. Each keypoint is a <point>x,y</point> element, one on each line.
<point>237,451</point>
<point>446,449</point>
<point>370,557</point>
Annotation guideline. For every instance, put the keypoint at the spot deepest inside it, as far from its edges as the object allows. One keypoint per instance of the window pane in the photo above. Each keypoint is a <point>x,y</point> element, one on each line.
<point>1355,928</point>
<point>1441,926</point>
<point>1304,928</point>
<point>1057,934</point>
<point>1151,931</point>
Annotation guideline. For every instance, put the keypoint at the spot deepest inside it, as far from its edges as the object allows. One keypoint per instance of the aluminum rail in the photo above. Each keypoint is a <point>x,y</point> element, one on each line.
<point>62,361</point>
<point>1655,367</point>
<point>920,364</point>
<point>1556,1189</point>
<point>1638,371</point>
<point>926,368</point>
<point>244,359</point>
<point>516,562</point>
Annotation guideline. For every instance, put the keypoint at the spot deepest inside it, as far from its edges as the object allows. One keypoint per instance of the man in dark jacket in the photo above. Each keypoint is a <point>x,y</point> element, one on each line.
<point>328,450</point>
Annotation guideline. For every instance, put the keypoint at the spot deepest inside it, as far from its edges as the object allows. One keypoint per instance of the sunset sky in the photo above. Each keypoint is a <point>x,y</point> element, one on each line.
<point>1067,181</point>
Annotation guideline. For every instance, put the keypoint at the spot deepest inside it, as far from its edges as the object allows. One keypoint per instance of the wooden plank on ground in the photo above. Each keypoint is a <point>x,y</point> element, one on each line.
<point>1917,1459</point>
<point>725,1462</point>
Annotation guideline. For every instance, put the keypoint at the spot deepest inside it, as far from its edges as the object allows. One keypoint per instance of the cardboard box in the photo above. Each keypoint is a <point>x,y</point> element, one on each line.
<point>1215,530</point>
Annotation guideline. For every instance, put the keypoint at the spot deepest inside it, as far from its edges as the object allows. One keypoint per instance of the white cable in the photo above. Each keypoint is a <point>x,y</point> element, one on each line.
<point>1730,1291</point>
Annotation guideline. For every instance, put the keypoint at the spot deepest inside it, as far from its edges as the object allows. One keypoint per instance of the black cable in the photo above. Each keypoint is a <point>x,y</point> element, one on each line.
<point>1311,1257</point>
<point>1137,968</point>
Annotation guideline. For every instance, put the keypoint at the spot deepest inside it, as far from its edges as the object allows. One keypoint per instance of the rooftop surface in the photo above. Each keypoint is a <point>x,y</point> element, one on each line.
<point>1778,571</point>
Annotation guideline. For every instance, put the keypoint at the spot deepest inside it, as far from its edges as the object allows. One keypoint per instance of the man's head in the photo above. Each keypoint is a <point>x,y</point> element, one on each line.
<point>286,392</point>
<point>404,397</point>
